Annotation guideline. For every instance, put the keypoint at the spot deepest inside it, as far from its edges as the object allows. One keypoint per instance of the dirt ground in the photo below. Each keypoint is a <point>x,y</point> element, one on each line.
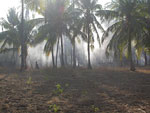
<point>102,90</point>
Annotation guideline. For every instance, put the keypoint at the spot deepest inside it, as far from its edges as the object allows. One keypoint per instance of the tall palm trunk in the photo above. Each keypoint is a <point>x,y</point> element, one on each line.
<point>74,46</point>
<point>25,55</point>
<point>65,55</point>
<point>53,60</point>
<point>88,30</point>
<point>46,2</point>
<point>62,52</point>
<point>137,62</point>
<point>57,51</point>
<point>145,55</point>
<point>74,55</point>
<point>23,62</point>
<point>149,60</point>
<point>71,57</point>
<point>132,67</point>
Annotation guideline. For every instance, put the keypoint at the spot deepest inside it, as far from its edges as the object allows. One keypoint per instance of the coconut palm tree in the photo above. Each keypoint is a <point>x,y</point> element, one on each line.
<point>56,25</point>
<point>76,33</point>
<point>46,33</point>
<point>58,18</point>
<point>126,25</point>
<point>11,36</point>
<point>87,9</point>
<point>75,28</point>
<point>36,5</point>
<point>23,47</point>
<point>145,17</point>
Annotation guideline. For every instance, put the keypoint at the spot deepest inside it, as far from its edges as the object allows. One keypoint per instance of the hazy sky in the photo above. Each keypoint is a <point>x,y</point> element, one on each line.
<point>6,4</point>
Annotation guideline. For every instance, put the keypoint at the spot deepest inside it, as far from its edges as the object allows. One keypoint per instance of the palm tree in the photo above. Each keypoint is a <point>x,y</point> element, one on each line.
<point>36,5</point>
<point>55,27</point>
<point>12,34</point>
<point>46,33</point>
<point>125,27</point>
<point>58,18</point>
<point>75,29</point>
<point>9,31</point>
<point>87,9</point>
<point>23,47</point>
<point>75,33</point>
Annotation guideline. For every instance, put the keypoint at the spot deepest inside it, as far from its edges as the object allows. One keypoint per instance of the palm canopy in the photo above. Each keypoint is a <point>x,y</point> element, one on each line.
<point>145,17</point>
<point>48,34</point>
<point>127,23</point>
<point>126,26</point>
<point>56,24</point>
<point>88,19</point>
<point>11,37</point>
<point>87,10</point>
<point>36,5</point>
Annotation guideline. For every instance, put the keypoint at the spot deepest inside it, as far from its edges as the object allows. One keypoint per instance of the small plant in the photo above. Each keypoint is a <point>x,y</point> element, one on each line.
<point>84,92</point>
<point>66,85</point>
<point>59,89</point>
<point>46,77</point>
<point>29,81</point>
<point>94,108</point>
<point>54,108</point>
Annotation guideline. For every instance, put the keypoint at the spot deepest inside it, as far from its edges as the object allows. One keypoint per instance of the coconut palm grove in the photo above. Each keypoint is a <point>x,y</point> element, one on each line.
<point>75,56</point>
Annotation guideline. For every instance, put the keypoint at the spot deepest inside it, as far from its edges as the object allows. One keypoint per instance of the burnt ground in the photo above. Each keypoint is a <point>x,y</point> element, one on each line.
<point>103,90</point>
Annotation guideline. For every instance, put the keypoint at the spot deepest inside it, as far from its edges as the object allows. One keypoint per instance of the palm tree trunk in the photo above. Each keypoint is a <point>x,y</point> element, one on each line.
<point>53,60</point>
<point>71,57</point>
<point>57,51</point>
<point>62,52</point>
<point>65,54</point>
<point>46,2</point>
<point>74,55</point>
<point>22,40</point>
<point>25,55</point>
<point>132,67</point>
<point>73,4</point>
<point>149,60</point>
<point>137,62</point>
<point>145,55</point>
<point>89,59</point>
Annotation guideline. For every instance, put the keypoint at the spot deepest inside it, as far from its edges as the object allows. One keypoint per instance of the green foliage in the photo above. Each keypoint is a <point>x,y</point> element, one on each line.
<point>54,108</point>
<point>129,21</point>
<point>66,85</point>
<point>84,92</point>
<point>29,81</point>
<point>10,37</point>
<point>59,90</point>
<point>95,109</point>
<point>46,77</point>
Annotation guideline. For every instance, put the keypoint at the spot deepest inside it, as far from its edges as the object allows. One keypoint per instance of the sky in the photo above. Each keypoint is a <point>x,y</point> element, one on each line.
<point>5,5</point>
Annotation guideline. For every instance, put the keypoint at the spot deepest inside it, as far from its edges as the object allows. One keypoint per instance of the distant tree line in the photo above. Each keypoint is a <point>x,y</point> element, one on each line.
<point>129,25</point>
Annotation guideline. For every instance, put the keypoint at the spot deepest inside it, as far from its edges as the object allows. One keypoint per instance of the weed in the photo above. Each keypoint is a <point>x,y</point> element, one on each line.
<point>59,89</point>
<point>66,85</point>
<point>54,108</point>
<point>94,108</point>
<point>29,81</point>
<point>84,92</point>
